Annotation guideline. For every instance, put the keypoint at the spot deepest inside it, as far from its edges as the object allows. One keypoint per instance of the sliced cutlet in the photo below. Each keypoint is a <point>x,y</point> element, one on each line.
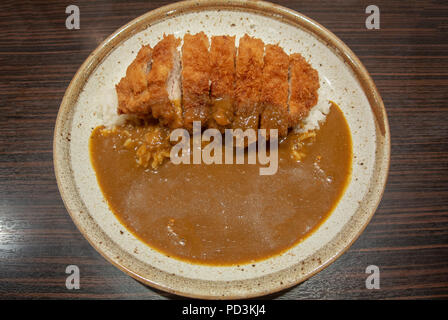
<point>132,90</point>
<point>249,81</point>
<point>275,91</point>
<point>304,83</point>
<point>164,82</point>
<point>195,79</point>
<point>222,76</point>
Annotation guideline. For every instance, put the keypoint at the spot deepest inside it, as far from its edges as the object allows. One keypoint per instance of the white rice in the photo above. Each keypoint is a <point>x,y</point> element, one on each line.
<point>108,103</point>
<point>316,116</point>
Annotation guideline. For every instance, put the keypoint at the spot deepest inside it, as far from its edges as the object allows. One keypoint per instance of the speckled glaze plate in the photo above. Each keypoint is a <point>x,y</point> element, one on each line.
<point>343,80</point>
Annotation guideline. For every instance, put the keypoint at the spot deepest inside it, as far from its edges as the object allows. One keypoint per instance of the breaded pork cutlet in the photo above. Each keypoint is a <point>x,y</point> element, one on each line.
<point>249,82</point>
<point>222,76</point>
<point>132,90</point>
<point>275,91</point>
<point>195,79</point>
<point>304,83</point>
<point>164,84</point>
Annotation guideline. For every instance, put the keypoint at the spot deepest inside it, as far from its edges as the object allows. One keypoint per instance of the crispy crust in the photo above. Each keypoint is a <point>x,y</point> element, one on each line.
<point>132,93</point>
<point>162,65</point>
<point>249,73</point>
<point>304,83</point>
<point>275,77</point>
<point>195,79</point>
<point>222,61</point>
<point>222,76</point>
<point>275,90</point>
<point>245,91</point>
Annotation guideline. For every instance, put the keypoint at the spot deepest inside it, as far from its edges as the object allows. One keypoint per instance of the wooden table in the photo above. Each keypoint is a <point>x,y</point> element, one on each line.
<point>407,238</point>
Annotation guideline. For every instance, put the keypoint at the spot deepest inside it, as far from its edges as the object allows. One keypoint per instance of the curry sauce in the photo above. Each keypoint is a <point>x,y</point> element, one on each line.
<point>226,214</point>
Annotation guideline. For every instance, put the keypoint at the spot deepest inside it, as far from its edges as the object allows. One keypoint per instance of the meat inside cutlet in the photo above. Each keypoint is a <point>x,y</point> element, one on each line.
<point>222,76</point>
<point>304,83</point>
<point>164,82</point>
<point>249,82</point>
<point>132,90</point>
<point>195,79</point>
<point>275,91</point>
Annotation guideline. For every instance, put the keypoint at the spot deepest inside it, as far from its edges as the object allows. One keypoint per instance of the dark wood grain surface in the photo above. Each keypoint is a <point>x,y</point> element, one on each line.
<point>407,238</point>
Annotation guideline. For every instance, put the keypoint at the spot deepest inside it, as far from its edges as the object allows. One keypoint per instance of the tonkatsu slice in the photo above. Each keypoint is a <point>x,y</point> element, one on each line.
<point>275,91</point>
<point>195,79</point>
<point>304,83</point>
<point>249,82</point>
<point>222,76</point>
<point>248,87</point>
<point>164,83</point>
<point>132,90</point>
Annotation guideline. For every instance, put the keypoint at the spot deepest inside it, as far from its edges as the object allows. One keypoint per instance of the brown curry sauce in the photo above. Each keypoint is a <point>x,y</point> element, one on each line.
<point>226,214</point>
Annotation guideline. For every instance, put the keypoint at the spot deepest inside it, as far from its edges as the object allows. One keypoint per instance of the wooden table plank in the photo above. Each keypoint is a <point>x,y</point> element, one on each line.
<point>407,238</point>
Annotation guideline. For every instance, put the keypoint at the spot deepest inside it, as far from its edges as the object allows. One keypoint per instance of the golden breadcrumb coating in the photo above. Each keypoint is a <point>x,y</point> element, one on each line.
<point>249,87</point>
<point>275,90</point>
<point>222,76</point>
<point>168,112</point>
<point>249,81</point>
<point>304,83</point>
<point>195,79</point>
<point>222,61</point>
<point>132,93</point>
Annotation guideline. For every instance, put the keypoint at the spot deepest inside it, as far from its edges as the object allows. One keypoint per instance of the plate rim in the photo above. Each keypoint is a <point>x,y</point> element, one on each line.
<point>268,9</point>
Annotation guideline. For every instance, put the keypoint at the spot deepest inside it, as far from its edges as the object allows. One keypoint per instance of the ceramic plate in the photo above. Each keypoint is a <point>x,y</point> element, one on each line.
<point>343,80</point>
